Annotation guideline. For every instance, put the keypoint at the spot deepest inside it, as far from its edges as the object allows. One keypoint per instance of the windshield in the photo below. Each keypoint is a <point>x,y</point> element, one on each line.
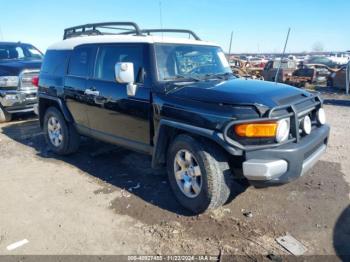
<point>19,51</point>
<point>285,64</point>
<point>189,61</point>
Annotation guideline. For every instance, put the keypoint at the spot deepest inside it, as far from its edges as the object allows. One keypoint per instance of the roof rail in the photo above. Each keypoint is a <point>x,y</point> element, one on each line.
<point>185,31</point>
<point>94,29</point>
<point>150,31</point>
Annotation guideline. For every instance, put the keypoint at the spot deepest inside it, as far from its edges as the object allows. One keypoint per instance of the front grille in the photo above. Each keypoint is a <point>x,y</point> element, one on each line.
<point>25,79</point>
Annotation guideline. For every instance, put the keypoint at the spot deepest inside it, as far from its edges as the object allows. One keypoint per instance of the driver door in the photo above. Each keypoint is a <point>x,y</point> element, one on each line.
<point>113,115</point>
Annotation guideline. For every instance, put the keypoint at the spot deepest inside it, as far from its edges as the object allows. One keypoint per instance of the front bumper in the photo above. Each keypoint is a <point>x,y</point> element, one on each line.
<point>18,101</point>
<point>287,162</point>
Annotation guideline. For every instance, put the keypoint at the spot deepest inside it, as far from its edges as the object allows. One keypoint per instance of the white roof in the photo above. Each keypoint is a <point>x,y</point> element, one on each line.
<point>71,43</point>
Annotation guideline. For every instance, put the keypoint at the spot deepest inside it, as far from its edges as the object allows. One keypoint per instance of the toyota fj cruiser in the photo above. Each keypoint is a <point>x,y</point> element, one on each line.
<point>177,100</point>
<point>19,69</point>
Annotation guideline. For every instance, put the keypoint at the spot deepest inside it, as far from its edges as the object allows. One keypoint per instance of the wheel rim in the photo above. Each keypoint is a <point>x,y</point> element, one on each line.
<point>55,131</point>
<point>188,174</point>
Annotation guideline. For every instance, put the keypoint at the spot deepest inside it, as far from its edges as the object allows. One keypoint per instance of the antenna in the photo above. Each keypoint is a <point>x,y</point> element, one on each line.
<point>229,49</point>
<point>161,16</point>
<point>284,51</point>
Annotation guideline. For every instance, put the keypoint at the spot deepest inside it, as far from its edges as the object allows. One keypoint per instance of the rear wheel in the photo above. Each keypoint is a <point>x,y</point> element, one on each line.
<point>4,115</point>
<point>198,173</point>
<point>61,136</point>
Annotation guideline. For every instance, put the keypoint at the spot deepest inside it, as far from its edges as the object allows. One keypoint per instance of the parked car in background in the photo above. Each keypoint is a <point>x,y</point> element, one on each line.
<point>340,58</point>
<point>19,69</point>
<point>322,72</point>
<point>338,78</point>
<point>286,70</point>
<point>321,60</point>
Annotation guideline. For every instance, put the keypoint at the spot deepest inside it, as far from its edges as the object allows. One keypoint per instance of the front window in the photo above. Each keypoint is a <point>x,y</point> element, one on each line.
<point>175,61</point>
<point>19,52</point>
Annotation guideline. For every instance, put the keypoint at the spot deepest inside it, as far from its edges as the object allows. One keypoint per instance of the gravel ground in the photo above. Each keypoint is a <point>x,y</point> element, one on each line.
<point>106,200</point>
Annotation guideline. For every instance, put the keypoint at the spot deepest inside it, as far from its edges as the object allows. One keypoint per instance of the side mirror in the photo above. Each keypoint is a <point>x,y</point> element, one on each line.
<point>124,74</point>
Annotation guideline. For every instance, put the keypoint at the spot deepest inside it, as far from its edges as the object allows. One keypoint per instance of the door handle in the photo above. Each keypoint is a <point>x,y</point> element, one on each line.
<point>92,92</point>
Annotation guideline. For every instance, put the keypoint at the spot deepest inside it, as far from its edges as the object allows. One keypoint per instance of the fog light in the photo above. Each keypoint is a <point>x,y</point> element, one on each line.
<point>283,128</point>
<point>321,116</point>
<point>306,125</point>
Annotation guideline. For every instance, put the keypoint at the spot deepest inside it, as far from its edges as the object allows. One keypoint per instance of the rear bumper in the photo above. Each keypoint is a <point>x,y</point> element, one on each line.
<point>18,101</point>
<point>285,163</point>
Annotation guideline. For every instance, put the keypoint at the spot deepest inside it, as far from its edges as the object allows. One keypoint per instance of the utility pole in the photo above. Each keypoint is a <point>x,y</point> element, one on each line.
<point>284,51</point>
<point>347,78</point>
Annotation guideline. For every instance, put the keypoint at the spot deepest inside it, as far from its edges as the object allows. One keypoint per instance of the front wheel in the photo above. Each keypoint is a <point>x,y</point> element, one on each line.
<point>4,115</point>
<point>61,136</point>
<point>198,173</point>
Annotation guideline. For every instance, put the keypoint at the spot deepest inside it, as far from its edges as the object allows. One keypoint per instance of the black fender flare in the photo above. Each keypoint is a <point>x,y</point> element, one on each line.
<point>58,101</point>
<point>162,136</point>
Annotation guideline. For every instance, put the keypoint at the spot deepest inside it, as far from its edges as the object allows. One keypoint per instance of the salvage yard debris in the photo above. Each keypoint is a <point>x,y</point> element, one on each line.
<point>291,244</point>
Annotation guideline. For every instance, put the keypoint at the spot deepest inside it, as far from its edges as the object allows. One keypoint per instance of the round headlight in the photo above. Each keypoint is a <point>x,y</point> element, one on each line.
<point>306,125</point>
<point>321,116</point>
<point>283,128</point>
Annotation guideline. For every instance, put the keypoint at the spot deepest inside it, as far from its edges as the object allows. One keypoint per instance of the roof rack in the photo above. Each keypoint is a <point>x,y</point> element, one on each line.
<point>95,29</point>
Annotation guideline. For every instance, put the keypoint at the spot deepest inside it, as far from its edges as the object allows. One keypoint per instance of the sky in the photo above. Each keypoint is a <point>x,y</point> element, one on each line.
<point>257,25</point>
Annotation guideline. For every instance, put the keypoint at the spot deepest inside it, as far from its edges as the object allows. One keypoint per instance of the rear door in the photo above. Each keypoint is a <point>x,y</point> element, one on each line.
<point>114,116</point>
<point>79,69</point>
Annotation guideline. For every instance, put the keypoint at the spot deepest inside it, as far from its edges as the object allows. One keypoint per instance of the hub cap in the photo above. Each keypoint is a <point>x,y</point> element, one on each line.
<point>55,131</point>
<point>187,173</point>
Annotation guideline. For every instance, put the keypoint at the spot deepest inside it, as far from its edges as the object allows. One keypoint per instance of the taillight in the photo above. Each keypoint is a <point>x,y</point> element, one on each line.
<point>35,81</point>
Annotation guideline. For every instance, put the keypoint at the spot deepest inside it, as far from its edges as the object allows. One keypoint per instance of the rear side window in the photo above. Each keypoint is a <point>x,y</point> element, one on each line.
<point>108,56</point>
<point>80,61</point>
<point>55,62</point>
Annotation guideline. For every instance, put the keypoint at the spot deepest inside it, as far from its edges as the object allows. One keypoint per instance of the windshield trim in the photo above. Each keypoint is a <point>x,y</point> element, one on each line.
<point>23,46</point>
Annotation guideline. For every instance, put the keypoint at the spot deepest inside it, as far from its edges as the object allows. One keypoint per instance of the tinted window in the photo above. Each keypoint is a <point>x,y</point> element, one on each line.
<point>80,61</point>
<point>108,56</point>
<point>55,62</point>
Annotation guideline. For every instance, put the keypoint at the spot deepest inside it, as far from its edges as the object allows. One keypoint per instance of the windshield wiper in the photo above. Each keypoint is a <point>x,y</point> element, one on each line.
<point>223,76</point>
<point>183,77</point>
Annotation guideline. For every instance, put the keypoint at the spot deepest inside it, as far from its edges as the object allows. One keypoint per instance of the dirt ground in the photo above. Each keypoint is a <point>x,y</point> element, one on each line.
<point>107,200</point>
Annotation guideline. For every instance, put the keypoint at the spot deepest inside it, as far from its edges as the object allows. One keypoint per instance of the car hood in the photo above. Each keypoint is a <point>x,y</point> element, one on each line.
<point>241,92</point>
<point>14,67</point>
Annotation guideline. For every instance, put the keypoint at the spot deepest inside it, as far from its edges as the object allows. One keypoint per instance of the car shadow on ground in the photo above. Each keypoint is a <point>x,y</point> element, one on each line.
<point>337,102</point>
<point>341,235</point>
<point>118,168</point>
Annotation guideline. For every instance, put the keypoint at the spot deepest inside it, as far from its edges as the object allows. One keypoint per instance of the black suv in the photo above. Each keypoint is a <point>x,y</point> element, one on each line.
<point>177,100</point>
<point>19,69</point>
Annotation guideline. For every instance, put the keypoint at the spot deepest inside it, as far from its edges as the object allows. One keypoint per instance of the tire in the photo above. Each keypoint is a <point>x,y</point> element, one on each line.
<point>215,178</point>
<point>4,115</point>
<point>68,138</point>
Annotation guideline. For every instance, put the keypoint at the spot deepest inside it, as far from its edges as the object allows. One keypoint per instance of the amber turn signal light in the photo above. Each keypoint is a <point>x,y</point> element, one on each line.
<point>258,129</point>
